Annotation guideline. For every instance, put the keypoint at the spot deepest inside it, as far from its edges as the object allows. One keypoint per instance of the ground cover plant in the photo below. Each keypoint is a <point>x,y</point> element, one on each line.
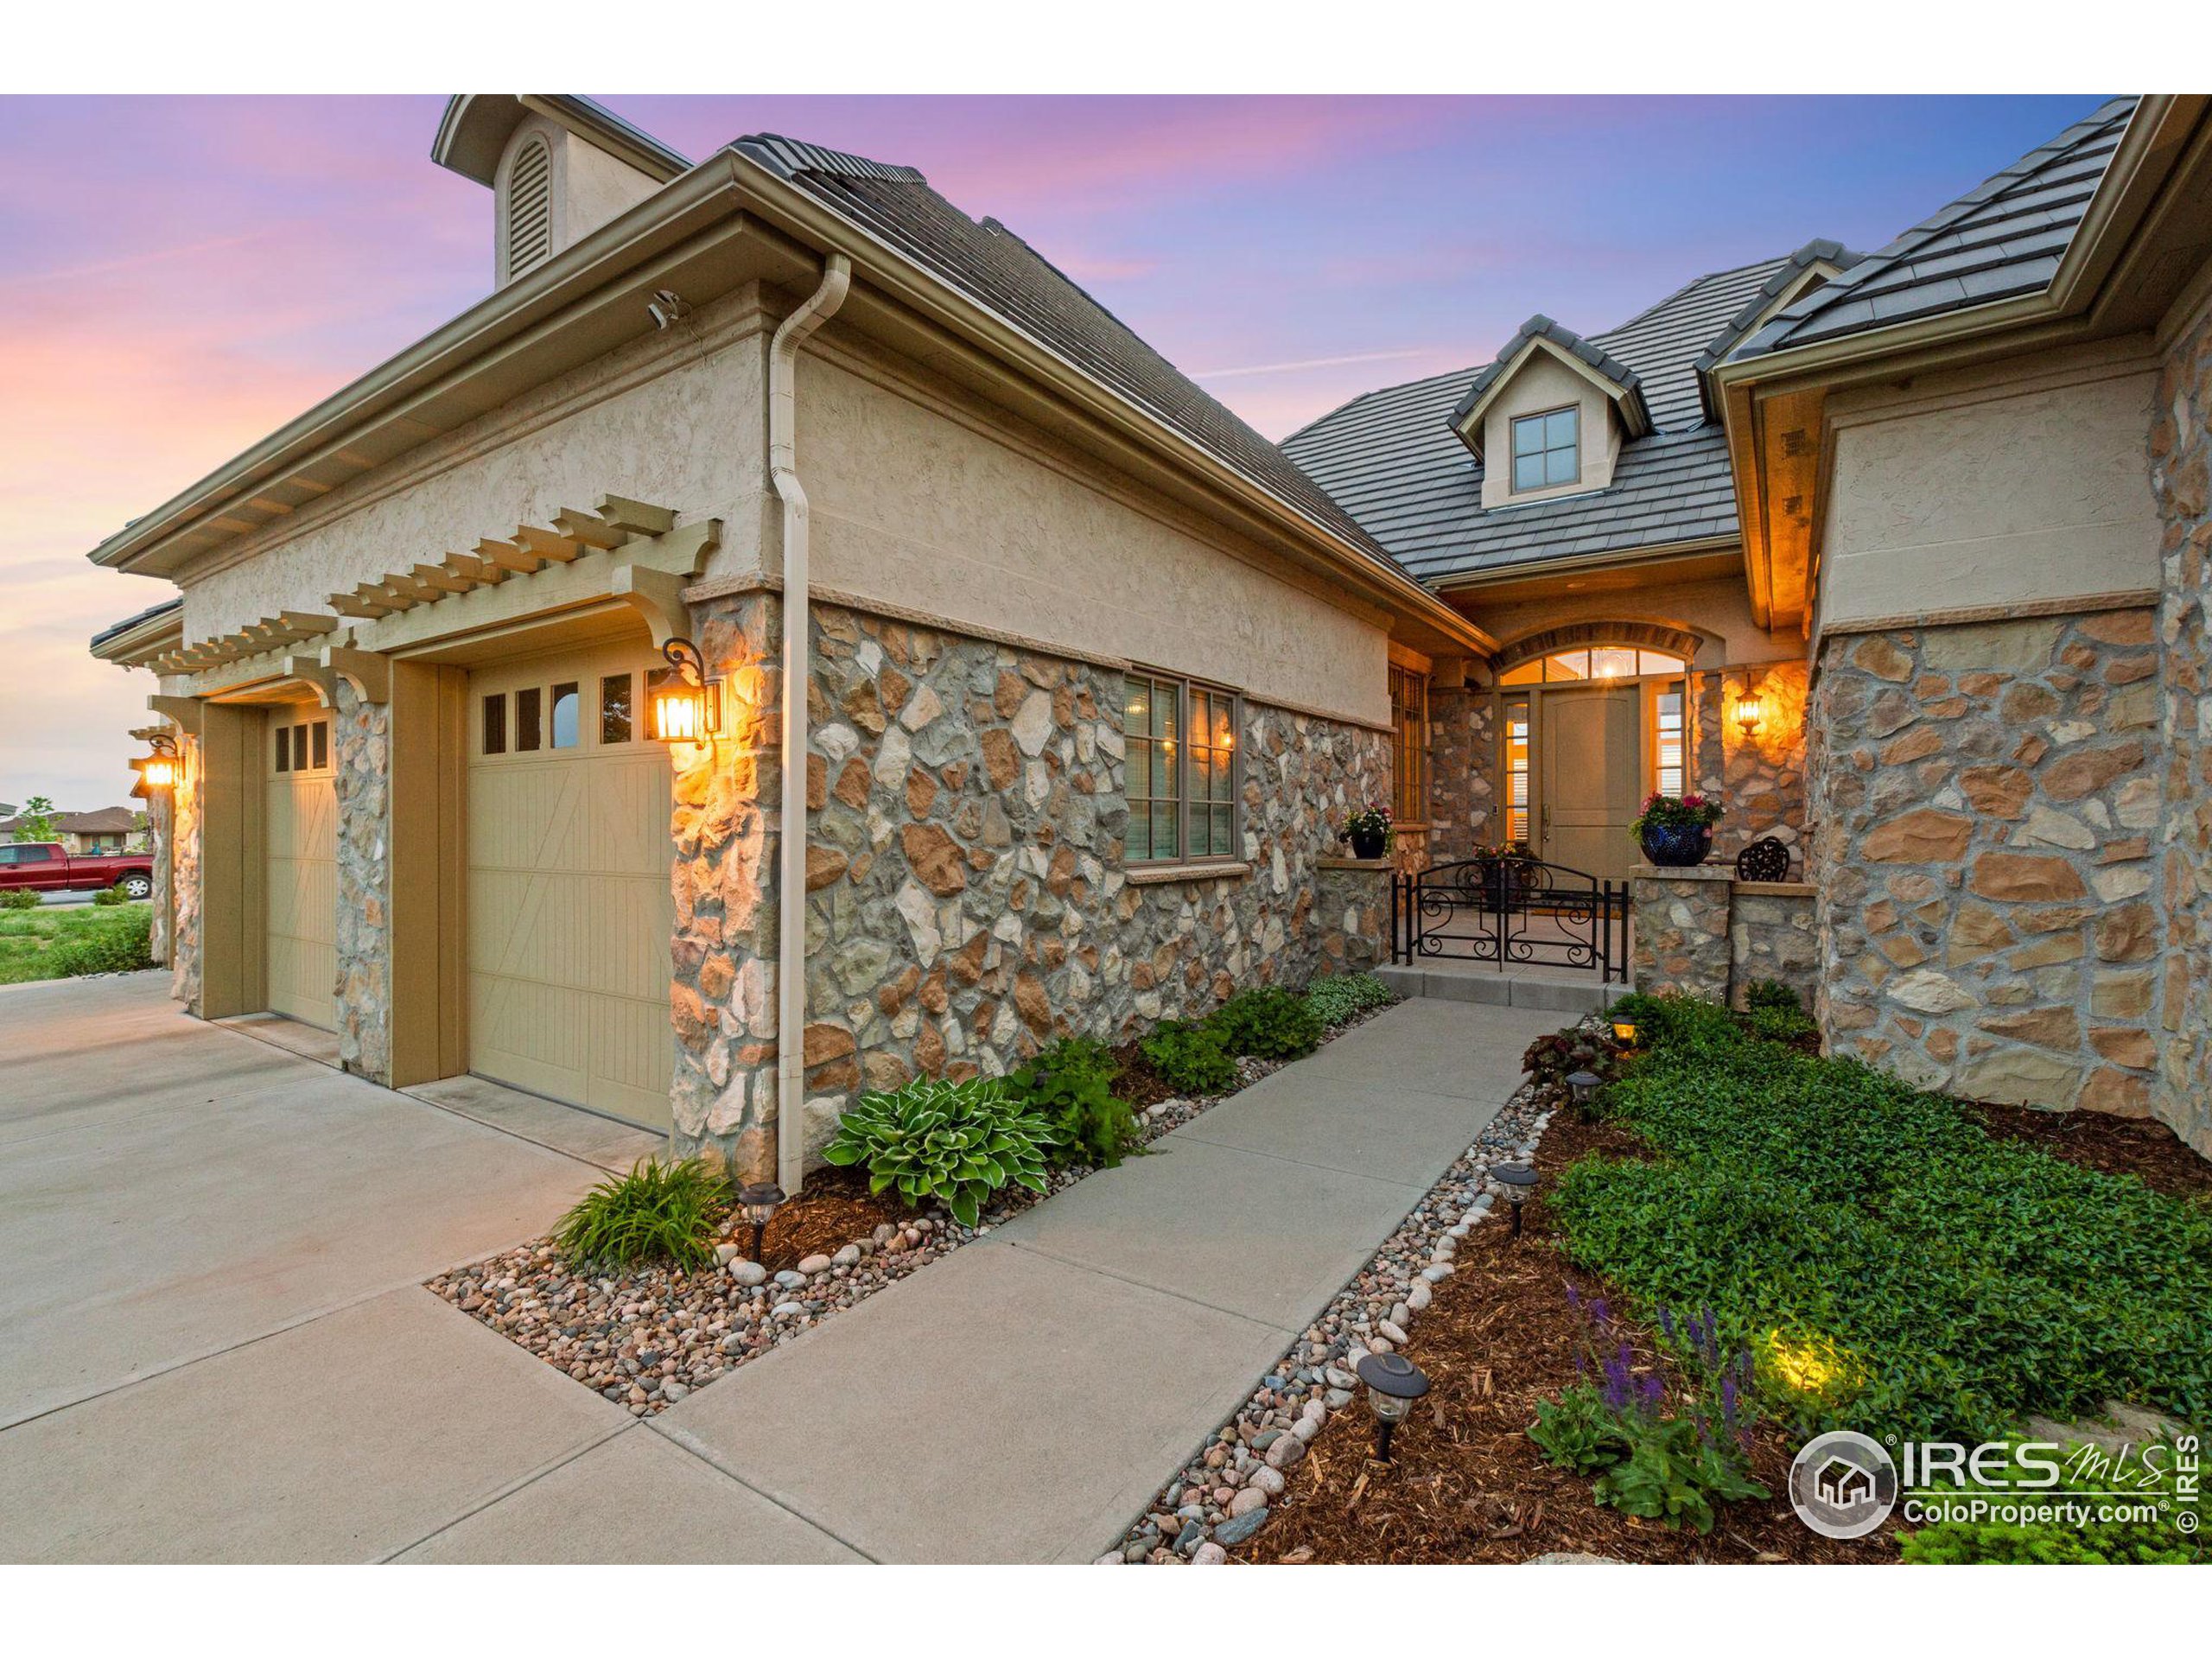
<point>1070,1086</point>
<point>1895,1268</point>
<point>61,942</point>
<point>1339,999</point>
<point>1268,1024</point>
<point>950,1143</point>
<point>658,1212</point>
<point>1190,1058</point>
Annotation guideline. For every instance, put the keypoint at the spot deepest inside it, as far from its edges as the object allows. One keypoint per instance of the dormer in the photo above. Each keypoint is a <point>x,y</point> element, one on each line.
<point>1549,416</point>
<point>559,167</point>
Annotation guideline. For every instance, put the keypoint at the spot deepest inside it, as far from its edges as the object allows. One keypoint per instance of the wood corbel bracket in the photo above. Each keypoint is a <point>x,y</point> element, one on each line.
<point>658,596</point>
<point>312,669</point>
<point>369,671</point>
<point>183,713</point>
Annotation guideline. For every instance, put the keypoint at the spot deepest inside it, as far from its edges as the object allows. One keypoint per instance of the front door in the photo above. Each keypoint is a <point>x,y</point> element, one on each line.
<point>1591,752</point>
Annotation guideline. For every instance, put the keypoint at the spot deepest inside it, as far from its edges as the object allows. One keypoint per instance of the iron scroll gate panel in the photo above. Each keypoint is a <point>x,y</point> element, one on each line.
<point>1512,912</point>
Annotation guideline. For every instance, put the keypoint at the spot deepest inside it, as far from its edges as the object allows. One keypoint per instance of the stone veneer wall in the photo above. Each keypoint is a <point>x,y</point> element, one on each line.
<point>361,783</point>
<point>1700,932</point>
<point>1772,936</point>
<point>1983,800</point>
<point>1762,781</point>
<point>158,840</point>
<point>968,902</point>
<point>1462,771</point>
<point>184,874</point>
<point>2181,480</point>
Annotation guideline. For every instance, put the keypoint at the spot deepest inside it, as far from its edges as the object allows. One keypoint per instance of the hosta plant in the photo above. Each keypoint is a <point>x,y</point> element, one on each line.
<point>954,1142</point>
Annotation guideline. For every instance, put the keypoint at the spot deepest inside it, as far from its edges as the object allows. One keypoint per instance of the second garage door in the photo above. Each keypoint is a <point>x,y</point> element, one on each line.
<point>300,827</point>
<point>570,910</point>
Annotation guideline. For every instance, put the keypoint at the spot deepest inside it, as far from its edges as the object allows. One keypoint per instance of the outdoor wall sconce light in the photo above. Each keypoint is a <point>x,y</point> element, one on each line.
<point>1584,1086</point>
<point>757,1202</point>
<point>1517,1182</point>
<point>158,770</point>
<point>1748,713</point>
<point>689,708</point>
<point>1394,1383</point>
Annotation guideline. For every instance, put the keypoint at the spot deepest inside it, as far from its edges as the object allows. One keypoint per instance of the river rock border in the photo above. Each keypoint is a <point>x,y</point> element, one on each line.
<point>648,1338</point>
<point>1231,1486</point>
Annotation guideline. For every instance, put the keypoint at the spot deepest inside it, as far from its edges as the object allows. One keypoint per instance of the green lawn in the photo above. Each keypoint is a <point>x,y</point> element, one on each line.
<point>59,941</point>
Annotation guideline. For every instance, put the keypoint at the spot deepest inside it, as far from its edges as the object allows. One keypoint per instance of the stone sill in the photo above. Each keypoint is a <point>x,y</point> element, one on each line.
<point>1685,872</point>
<point>1146,875</point>
<point>1775,889</point>
<point>1338,862</point>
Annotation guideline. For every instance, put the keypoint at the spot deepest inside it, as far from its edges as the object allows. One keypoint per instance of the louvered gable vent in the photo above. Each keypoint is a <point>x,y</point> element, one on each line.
<point>529,209</point>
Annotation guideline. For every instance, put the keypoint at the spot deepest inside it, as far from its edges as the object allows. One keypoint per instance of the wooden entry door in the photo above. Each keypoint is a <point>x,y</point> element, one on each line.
<point>1593,780</point>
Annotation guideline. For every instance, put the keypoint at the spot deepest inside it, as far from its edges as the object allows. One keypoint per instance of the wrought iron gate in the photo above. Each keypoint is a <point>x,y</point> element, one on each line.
<point>1512,912</point>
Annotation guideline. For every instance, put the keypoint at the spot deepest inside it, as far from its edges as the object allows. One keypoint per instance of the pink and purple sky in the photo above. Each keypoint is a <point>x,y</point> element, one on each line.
<point>179,276</point>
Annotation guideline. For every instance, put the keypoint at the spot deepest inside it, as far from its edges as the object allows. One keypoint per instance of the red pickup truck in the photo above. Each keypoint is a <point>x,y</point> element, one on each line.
<point>47,866</point>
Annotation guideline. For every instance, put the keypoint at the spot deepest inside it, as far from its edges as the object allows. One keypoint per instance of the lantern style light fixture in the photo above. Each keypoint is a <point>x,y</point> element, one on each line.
<point>687,707</point>
<point>757,1202</point>
<point>158,770</point>
<point>1517,1182</point>
<point>1394,1383</point>
<point>1584,1086</point>
<point>1624,1033</point>
<point>1748,712</point>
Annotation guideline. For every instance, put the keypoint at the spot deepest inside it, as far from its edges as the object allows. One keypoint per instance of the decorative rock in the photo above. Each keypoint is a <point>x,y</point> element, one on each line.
<point>1286,1453</point>
<point>747,1274</point>
<point>1244,1502</point>
<point>1211,1555</point>
<point>1392,1332</point>
<point>811,1265</point>
<point>1237,1529</point>
<point>1437,1272</point>
<point>1268,1480</point>
<point>848,1257</point>
<point>723,1254</point>
<point>790,1281</point>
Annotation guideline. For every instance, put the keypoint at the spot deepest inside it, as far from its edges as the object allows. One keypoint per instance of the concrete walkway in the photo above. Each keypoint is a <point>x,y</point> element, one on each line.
<point>218,1348</point>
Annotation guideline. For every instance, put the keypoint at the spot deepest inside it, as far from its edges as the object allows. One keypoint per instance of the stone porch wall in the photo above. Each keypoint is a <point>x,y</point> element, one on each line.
<point>2181,480</point>
<point>160,838</point>
<point>1700,932</point>
<point>968,903</point>
<point>1983,799</point>
<point>1761,780</point>
<point>1462,772</point>
<point>184,874</point>
<point>361,782</point>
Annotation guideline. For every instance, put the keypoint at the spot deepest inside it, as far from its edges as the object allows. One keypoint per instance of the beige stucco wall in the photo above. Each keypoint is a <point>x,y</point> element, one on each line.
<point>1988,487</point>
<point>674,420</point>
<point>950,508</point>
<point>1718,608</point>
<point>1543,381</point>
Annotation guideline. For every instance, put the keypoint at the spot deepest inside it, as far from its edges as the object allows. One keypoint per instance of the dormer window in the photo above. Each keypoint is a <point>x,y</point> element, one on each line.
<point>1547,449</point>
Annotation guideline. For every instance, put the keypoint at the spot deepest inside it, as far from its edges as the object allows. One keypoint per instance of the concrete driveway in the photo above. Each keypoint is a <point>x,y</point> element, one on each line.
<point>217,1346</point>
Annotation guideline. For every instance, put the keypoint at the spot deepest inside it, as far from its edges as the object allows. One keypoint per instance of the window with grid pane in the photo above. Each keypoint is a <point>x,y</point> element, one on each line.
<point>1547,449</point>
<point>1211,741</point>
<point>1181,769</point>
<point>1148,722</point>
<point>1409,746</point>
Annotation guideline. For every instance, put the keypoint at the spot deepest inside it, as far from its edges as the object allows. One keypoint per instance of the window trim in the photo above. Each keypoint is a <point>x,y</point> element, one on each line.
<point>1182,858</point>
<point>1409,730</point>
<point>1513,424</point>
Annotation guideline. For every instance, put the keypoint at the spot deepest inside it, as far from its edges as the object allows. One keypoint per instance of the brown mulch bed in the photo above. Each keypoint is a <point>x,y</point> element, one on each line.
<point>1138,1083</point>
<point>833,1210</point>
<point>1465,1483</point>
<point>2141,1147</point>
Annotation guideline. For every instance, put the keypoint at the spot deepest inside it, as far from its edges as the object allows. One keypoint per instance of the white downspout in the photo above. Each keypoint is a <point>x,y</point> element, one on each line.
<point>790,894</point>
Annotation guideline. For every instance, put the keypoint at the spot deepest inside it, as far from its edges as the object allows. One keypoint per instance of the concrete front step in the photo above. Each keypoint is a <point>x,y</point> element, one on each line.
<point>1468,981</point>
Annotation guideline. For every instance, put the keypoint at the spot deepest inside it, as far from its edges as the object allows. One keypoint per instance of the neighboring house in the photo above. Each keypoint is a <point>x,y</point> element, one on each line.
<point>1904,554</point>
<point>1092,671</point>
<point>110,829</point>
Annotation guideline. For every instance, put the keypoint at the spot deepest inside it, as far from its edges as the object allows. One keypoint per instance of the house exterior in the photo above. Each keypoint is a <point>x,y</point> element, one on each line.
<point>1902,553</point>
<point>1090,671</point>
<point>110,829</point>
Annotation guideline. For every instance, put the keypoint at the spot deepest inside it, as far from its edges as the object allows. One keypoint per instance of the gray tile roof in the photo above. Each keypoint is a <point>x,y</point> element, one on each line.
<point>1394,461</point>
<point>130,622</point>
<point>1540,327</point>
<point>2002,239</point>
<point>998,270</point>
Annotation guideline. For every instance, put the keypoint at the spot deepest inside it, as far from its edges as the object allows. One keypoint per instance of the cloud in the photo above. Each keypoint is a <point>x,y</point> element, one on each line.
<point>1306,363</point>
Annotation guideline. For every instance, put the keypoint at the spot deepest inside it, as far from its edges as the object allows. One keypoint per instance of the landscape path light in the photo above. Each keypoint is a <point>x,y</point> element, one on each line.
<point>1394,1383</point>
<point>1517,1181</point>
<point>1584,1085</point>
<point>757,1202</point>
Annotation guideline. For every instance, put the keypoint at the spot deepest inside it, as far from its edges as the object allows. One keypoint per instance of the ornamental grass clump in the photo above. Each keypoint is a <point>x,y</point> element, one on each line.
<point>950,1143</point>
<point>658,1212</point>
<point>1943,1281</point>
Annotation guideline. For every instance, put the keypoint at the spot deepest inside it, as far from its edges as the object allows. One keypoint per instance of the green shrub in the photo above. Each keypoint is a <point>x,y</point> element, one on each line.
<point>657,1212</point>
<point>1269,1024</point>
<point>18,899</point>
<point>955,1142</point>
<point>2066,1542</point>
<point>108,896</point>
<point>1781,1024</point>
<point>1190,1058</point>
<point>1772,993</point>
<point>1340,998</point>
<point>1944,1280</point>
<point>115,944</point>
<point>1071,1086</point>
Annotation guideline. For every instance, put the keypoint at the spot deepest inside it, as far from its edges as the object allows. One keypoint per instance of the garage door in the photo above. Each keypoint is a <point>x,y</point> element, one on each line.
<point>569,910</point>
<point>301,823</point>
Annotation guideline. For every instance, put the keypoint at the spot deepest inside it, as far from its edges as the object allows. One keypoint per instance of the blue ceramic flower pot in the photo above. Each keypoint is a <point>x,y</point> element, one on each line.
<point>1676,846</point>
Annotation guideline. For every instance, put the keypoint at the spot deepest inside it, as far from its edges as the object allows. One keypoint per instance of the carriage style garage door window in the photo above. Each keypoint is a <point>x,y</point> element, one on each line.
<point>300,836</point>
<point>570,912</point>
